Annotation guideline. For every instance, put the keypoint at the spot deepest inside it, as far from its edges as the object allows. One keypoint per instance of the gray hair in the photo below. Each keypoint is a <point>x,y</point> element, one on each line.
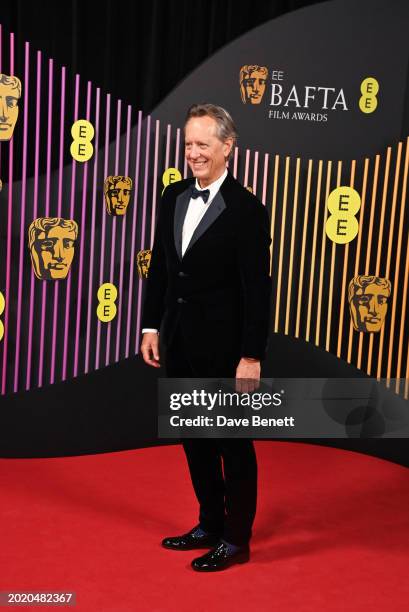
<point>224,123</point>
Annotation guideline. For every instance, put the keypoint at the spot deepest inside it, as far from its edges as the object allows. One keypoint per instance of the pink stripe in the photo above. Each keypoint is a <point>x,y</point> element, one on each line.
<point>255,170</point>
<point>145,195</point>
<point>123,234</point>
<point>9,236</point>
<point>72,207</point>
<point>92,244</point>
<point>246,168</point>
<point>265,179</point>
<point>47,214</point>
<point>177,148</point>
<point>104,216</point>
<point>82,239</point>
<point>113,235</point>
<point>168,134</point>
<point>155,181</point>
<point>1,50</point>
<point>59,209</point>
<point>133,239</point>
<point>236,160</point>
<point>23,216</point>
<point>185,168</point>
<point>35,199</point>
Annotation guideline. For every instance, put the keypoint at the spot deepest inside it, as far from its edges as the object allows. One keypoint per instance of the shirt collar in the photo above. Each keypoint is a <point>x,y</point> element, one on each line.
<point>213,187</point>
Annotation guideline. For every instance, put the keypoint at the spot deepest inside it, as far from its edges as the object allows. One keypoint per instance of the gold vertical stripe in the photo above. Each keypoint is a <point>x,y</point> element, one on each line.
<point>372,214</point>
<point>406,273</point>
<point>293,224</point>
<point>280,257</point>
<point>368,257</point>
<point>344,296</point>
<point>395,286</point>
<point>273,207</point>
<point>304,235</point>
<point>378,258</point>
<point>357,257</point>
<point>331,275</point>
<point>323,243</point>
<point>314,246</point>
<point>383,206</point>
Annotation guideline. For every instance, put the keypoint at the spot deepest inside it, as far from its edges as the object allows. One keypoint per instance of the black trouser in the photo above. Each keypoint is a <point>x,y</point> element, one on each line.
<point>227,504</point>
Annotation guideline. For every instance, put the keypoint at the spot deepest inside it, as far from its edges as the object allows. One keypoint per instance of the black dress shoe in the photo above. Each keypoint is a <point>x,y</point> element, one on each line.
<point>189,540</point>
<point>220,558</point>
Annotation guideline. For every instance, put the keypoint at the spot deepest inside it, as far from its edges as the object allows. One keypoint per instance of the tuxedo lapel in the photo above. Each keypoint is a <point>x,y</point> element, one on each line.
<point>216,207</point>
<point>182,203</point>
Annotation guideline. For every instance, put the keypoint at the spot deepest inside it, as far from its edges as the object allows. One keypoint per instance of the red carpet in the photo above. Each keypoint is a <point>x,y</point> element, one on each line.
<point>331,533</point>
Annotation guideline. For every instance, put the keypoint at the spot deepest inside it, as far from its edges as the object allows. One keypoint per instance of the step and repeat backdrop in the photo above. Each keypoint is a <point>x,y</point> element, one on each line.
<point>320,99</point>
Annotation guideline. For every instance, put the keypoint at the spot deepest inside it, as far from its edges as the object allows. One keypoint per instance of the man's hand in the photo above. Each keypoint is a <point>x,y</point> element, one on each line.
<point>150,349</point>
<point>248,375</point>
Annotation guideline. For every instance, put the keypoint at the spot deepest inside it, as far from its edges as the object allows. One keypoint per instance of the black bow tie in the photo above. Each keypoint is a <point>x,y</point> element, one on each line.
<point>203,193</point>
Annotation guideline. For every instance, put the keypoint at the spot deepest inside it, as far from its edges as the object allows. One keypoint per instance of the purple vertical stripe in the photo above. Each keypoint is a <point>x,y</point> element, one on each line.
<point>133,238</point>
<point>35,201</point>
<point>82,239</point>
<point>92,242</point>
<point>72,207</point>
<point>145,196</point>
<point>59,212</point>
<point>246,168</point>
<point>265,179</point>
<point>104,216</point>
<point>155,181</point>
<point>168,136</point>
<point>235,163</point>
<point>47,214</point>
<point>113,235</point>
<point>185,168</point>
<point>255,171</point>
<point>120,301</point>
<point>22,216</point>
<point>177,148</point>
<point>9,236</point>
<point>1,63</point>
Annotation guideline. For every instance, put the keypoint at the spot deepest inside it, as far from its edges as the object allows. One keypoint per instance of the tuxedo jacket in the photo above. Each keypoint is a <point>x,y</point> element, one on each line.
<point>219,291</point>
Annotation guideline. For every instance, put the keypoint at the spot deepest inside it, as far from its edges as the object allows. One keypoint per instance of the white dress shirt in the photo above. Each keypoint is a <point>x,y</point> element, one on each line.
<point>195,211</point>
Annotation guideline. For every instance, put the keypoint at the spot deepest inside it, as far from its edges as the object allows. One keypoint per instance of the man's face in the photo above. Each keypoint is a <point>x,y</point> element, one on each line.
<point>52,253</point>
<point>369,307</point>
<point>8,110</point>
<point>204,152</point>
<point>254,87</point>
<point>118,198</point>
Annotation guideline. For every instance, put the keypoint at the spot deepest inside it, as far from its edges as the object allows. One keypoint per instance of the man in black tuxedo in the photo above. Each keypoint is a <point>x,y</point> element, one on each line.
<point>208,291</point>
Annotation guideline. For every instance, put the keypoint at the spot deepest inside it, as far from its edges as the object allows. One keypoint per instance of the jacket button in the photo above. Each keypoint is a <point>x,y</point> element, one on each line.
<point>181,301</point>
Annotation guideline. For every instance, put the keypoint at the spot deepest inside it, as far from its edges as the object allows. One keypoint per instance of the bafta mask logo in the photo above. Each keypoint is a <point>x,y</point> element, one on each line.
<point>368,302</point>
<point>117,190</point>
<point>52,244</point>
<point>10,93</point>
<point>143,260</point>
<point>253,83</point>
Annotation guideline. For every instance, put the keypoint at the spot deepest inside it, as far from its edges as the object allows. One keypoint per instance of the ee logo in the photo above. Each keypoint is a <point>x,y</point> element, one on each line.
<point>343,203</point>
<point>82,132</point>
<point>2,305</point>
<point>106,309</point>
<point>171,175</point>
<point>368,101</point>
